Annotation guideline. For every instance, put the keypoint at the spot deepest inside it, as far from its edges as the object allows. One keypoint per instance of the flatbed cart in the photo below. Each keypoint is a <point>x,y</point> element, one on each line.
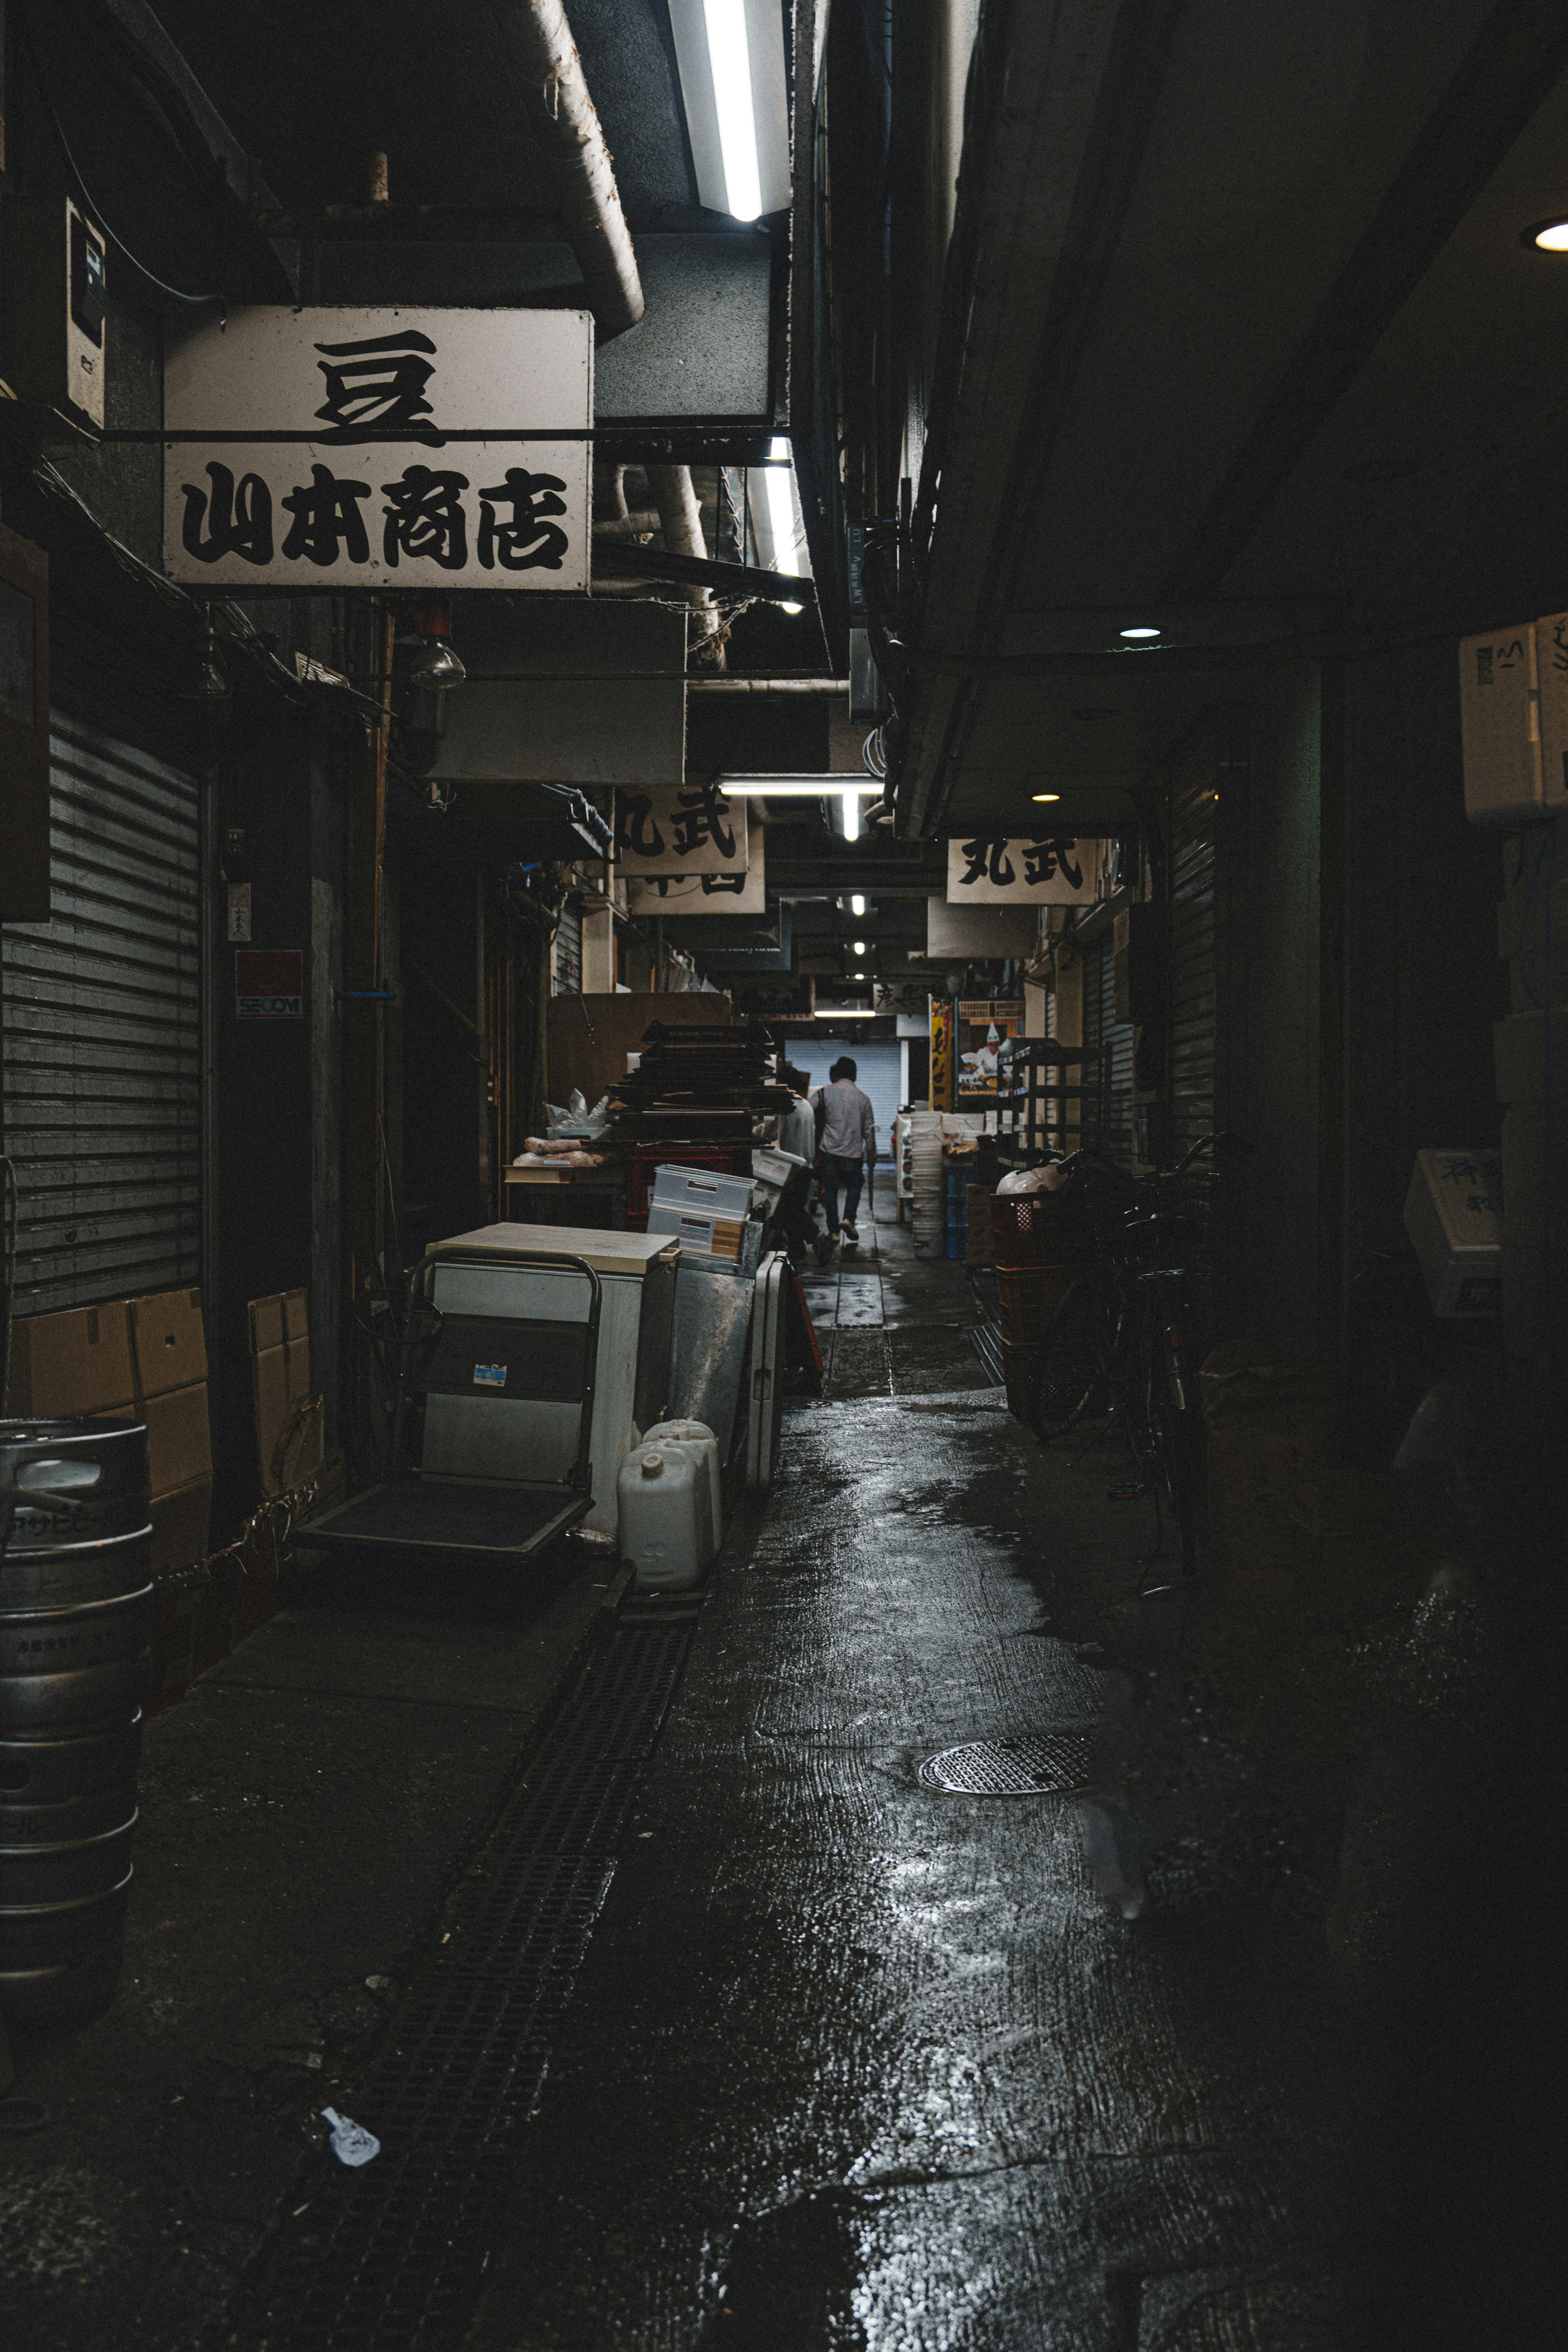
<point>544,1367</point>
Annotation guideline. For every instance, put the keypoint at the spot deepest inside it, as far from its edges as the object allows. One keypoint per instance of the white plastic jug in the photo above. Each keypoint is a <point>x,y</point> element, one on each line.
<point>697,1434</point>
<point>663,1510</point>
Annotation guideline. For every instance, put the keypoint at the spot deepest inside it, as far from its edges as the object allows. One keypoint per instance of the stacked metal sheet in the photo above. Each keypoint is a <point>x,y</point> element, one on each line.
<point>697,1086</point>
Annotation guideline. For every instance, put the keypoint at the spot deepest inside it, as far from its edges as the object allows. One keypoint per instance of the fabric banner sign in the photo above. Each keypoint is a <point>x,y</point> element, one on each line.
<point>1040,870</point>
<point>684,829</point>
<point>335,448</point>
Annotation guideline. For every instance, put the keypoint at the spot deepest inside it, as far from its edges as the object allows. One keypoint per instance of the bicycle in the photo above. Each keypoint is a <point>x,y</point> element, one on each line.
<point>1120,1337</point>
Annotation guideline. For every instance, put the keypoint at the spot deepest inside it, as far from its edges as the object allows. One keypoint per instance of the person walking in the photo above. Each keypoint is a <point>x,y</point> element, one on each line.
<point>845,1140</point>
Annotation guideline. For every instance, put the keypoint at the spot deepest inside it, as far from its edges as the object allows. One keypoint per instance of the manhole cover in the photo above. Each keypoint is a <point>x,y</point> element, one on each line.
<point>1048,1764</point>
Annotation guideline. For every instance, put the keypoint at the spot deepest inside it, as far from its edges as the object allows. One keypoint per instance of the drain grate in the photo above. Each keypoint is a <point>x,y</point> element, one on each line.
<point>392,2257</point>
<point>1048,1763</point>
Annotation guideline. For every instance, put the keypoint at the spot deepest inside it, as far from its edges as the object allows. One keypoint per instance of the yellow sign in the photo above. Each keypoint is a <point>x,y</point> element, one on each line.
<point>940,1053</point>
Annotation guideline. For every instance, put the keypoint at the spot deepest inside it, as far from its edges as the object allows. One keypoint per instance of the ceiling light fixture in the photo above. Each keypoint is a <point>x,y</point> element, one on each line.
<point>858,947</point>
<point>856,905</point>
<point>1045,796</point>
<point>731,62</point>
<point>797,788</point>
<point>1141,632</point>
<point>845,1012</point>
<point>778,484</point>
<point>1547,237</point>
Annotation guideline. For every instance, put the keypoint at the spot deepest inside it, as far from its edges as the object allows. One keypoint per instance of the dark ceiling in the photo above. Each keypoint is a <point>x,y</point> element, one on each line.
<point>1290,376</point>
<point>310,90</point>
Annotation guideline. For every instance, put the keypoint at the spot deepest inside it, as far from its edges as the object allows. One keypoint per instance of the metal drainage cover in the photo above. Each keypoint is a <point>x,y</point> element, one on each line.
<point>1050,1764</point>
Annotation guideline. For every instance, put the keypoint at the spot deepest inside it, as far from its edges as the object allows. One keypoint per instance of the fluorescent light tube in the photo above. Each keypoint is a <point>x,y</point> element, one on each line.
<point>729,62</point>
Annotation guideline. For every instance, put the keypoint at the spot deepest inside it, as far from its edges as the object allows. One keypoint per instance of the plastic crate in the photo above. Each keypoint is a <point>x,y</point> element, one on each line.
<point>1028,1229</point>
<point>1027,1298</point>
<point>641,1165</point>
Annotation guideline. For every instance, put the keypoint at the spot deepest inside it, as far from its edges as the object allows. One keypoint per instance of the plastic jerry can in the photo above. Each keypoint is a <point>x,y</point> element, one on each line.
<point>661,1495</point>
<point>698,1435</point>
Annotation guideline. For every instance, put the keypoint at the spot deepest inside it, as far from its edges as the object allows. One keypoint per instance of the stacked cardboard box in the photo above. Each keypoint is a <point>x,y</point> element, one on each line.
<point>287,1417</point>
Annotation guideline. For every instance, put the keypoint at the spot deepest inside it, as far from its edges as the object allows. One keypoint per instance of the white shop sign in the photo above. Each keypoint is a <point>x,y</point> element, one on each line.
<point>685,829</point>
<point>1037,870</point>
<point>703,894</point>
<point>335,448</point>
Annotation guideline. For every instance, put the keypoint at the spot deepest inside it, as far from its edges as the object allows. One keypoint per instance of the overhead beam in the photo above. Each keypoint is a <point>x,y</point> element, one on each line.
<point>614,561</point>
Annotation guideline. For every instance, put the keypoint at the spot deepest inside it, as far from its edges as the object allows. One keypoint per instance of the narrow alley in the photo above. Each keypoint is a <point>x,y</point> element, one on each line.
<point>783,870</point>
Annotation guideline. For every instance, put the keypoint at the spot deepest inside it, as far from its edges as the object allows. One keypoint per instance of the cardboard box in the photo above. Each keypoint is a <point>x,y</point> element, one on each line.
<point>80,1362</point>
<point>179,1439</point>
<point>1521,1061</point>
<point>168,1346</point>
<point>1499,719</point>
<point>296,1305</point>
<point>287,1435</point>
<point>265,1324</point>
<point>1453,1214</point>
<point>182,1529</point>
<point>1552,684</point>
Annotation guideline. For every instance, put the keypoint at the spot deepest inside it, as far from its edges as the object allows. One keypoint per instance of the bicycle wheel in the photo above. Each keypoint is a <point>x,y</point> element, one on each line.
<point>1071,1365</point>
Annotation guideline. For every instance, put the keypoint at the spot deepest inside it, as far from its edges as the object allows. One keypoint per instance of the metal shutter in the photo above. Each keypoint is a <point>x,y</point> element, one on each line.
<point>1110,1121</point>
<point>102,1034</point>
<point>1194,812</point>
<point>569,950</point>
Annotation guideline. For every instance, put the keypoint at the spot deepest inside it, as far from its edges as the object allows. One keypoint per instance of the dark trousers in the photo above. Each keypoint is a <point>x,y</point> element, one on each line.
<point>837,1172</point>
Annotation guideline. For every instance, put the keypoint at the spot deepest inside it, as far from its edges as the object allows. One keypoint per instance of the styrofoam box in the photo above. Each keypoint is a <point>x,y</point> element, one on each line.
<point>707,1190</point>
<point>1453,1214</point>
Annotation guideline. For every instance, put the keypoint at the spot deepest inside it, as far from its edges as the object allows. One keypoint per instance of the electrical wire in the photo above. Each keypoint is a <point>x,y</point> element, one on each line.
<point>176,292</point>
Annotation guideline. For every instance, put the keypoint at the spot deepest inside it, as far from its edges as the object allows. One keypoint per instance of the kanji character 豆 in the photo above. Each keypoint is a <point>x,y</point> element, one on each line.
<point>376,389</point>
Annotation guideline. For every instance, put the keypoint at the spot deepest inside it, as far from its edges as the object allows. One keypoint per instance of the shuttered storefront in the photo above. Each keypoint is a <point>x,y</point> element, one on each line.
<point>569,950</point>
<point>1193,996</point>
<point>1110,1118</point>
<point>103,1034</point>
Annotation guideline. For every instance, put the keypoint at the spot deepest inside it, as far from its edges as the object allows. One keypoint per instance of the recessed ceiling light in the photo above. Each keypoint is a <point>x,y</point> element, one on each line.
<point>1140,633</point>
<point>860,947</point>
<point>1547,237</point>
<point>1045,796</point>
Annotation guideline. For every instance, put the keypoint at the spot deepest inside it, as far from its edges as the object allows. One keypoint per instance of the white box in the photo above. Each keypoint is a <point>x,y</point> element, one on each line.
<point>1453,1214</point>
<point>713,1191</point>
<point>1552,686</point>
<point>1499,719</point>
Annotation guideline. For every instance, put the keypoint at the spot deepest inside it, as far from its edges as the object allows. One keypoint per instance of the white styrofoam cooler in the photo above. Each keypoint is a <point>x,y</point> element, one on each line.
<point>490,1436</point>
<point>1453,1214</point>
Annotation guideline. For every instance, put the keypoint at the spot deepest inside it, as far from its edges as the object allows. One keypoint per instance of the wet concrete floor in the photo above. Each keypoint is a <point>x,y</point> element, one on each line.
<point>850,2063</point>
<point>301,1813</point>
<point>853,2064</point>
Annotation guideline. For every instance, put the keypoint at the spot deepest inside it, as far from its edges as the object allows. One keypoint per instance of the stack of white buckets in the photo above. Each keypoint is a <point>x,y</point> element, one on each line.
<point>671,1505</point>
<point>928,1206</point>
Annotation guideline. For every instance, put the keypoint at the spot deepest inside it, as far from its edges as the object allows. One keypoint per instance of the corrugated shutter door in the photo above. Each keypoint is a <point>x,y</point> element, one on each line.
<point>1111,1128</point>
<point>102,1034</point>
<point>569,950</point>
<point>1194,993</point>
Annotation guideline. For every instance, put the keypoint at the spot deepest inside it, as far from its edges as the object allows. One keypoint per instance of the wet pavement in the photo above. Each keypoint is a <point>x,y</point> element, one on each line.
<point>301,1813</point>
<point>853,2064</point>
<point>1213,2057</point>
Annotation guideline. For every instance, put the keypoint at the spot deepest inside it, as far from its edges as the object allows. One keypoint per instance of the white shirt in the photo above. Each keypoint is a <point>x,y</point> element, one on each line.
<point>850,1129</point>
<point>797,1130</point>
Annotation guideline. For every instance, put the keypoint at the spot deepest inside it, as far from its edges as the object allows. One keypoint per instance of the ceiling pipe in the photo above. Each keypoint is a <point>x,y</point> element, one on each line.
<point>681,519</point>
<point>564,122</point>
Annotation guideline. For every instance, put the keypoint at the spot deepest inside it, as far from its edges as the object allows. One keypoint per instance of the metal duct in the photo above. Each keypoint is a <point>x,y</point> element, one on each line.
<point>567,128</point>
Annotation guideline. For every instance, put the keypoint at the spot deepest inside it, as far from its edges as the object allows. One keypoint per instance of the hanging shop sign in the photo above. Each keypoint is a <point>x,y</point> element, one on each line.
<point>333,448</point>
<point>703,894</point>
<point>270,983</point>
<point>1040,870</point>
<point>941,1080</point>
<point>982,1027</point>
<point>681,829</point>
